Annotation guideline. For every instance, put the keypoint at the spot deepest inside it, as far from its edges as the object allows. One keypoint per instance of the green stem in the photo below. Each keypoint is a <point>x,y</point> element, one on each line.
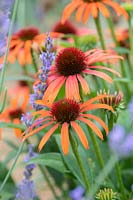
<point>111,26</point>
<point>103,174</point>
<point>75,151</point>
<point>8,43</point>
<point>130,33</point>
<point>34,61</point>
<point>122,64</point>
<point>101,38</point>
<point>44,172</point>
<point>12,167</point>
<point>99,31</point>
<point>97,149</point>
<point>122,188</point>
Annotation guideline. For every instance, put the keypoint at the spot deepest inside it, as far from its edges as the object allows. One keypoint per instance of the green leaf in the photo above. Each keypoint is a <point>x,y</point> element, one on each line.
<point>11,125</point>
<point>127,6</point>
<point>4,101</point>
<point>122,50</point>
<point>10,185</point>
<point>53,160</point>
<point>18,78</point>
<point>124,80</point>
<point>72,164</point>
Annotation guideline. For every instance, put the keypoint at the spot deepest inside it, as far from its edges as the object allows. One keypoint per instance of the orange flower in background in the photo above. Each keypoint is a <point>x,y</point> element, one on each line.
<point>65,114</point>
<point>71,64</point>
<point>18,104</point>
<point>85,8</point>
<point>69,28</point>
<point>123,38</point>
<point>22,42</point>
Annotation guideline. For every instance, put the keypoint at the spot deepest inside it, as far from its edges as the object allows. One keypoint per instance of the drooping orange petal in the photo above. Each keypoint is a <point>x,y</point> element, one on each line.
<point>86,14</point>
<point>93,127</point>
<point>97,106</point>
<point>72,88</point>
<point>84,84</point>
<point>27,48</point>
<point>14,43</point>
<point>79,12</point>
<point>36,130</point>
<point>94,10</point>
<point>65,138</point>
<point>100,121</point>
<point>18,132</point>
<point>103,9</point>
<point>44,113</point>
<point>69,9</point>
<point>21,57</point>
<point>119,10</point>
<point>100,96</point>
<point>99,74</point>
<point>106,68</point>
<point>80,134</point>
<point>53,89</point>
<point>47,136</point>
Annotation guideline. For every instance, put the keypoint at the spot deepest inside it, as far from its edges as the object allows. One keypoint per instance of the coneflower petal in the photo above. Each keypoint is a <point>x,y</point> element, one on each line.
<point>47,136</point>
<point>65,138</point>
<point>93,127</point>
<point>100,121</point>
<point>37,130</point>
<point>84,84</point>
<point>80,134</point>
<point>99,74</point>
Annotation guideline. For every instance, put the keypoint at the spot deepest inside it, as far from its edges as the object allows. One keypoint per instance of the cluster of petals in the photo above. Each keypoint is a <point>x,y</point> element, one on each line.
<point>71,65</point>
<point>22,42</point>
<point>85,8</point>
<point>66,114</point>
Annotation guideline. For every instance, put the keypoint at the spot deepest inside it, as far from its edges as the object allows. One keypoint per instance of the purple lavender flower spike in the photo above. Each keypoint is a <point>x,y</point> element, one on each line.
<point>26,189</point>
<point>5,7</point>
<point>120,142</point>
<point>77,193</point>
<point>27,119</point>
<point>39,88</point>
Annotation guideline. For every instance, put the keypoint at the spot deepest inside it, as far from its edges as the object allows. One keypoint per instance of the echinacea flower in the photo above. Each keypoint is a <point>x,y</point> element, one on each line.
<point>17,105</point>
<point>22,42</point>
<point>107,194</point>
<point>71,64</point>
<point>123,38</point>
<point>65,114</point>
<point>85,8</point>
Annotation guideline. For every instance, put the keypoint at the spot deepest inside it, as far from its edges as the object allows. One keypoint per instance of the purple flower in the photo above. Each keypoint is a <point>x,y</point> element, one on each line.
<point>130,107</point>
<point>5,7</point>
<point>77,193</point>
<point>27,119</point>
<point>40,86</point>
<point>26,189</point>
<point>120,142</point>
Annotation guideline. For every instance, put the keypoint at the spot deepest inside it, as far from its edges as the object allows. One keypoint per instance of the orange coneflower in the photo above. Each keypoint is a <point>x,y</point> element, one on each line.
<point>69,28</point>
<point>18,104</point>
<point>71,64</point>
<point>123,38</point>
<point>22,42</point>
<point>65,114</point>
<point>85,8</point>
